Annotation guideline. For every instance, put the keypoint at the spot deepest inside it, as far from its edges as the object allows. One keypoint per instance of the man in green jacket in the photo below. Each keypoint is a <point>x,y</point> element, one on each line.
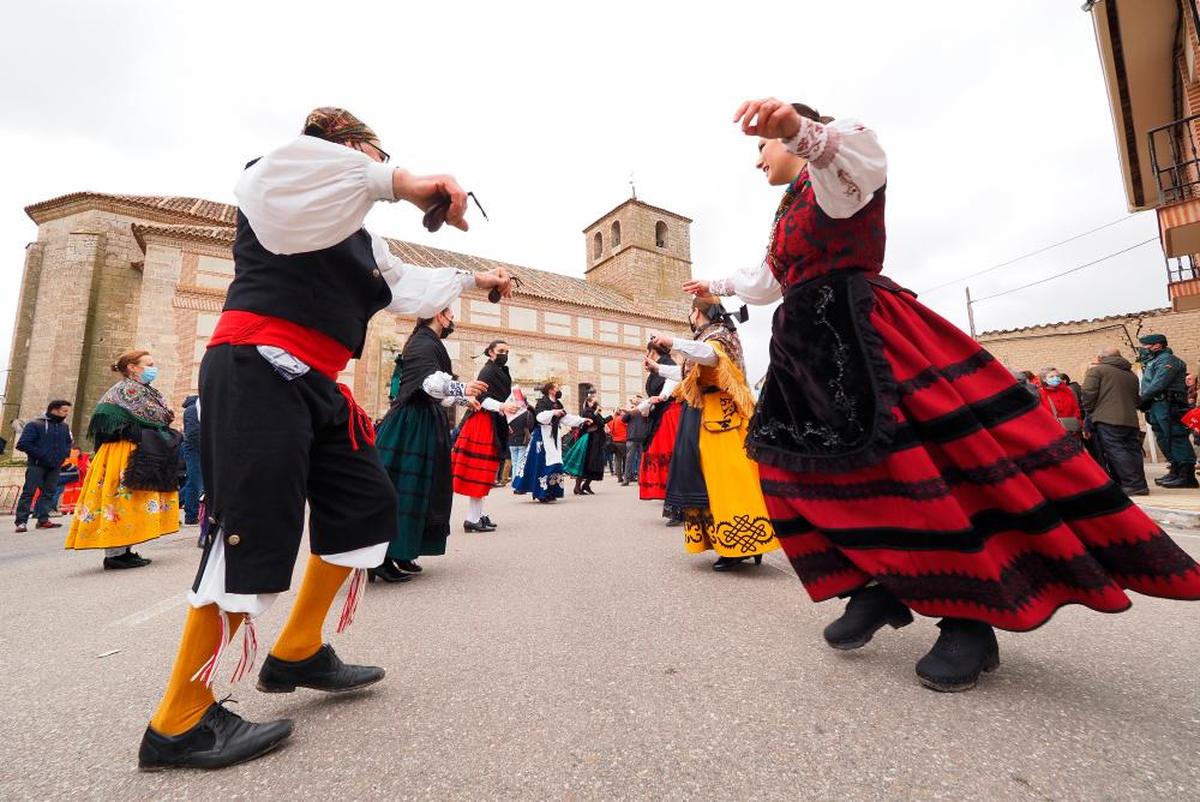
<point>1164,400</point>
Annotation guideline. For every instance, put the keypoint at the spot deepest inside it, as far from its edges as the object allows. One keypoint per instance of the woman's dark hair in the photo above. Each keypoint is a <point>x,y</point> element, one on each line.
<point>810,113</point>
<point>545,388</point>
<point>492,347</point>
<point>125,360</point>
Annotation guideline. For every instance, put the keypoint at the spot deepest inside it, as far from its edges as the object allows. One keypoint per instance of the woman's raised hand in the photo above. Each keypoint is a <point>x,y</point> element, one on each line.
<point>769,118</point>
<point>474,388</point>
<point>696,286</point>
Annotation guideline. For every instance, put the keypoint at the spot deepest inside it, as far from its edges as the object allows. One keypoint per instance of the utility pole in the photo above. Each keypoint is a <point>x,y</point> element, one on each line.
<point>970,313</point>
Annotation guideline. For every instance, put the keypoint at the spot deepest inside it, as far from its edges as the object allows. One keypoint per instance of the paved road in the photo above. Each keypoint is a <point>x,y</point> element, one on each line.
<point>578,653</point>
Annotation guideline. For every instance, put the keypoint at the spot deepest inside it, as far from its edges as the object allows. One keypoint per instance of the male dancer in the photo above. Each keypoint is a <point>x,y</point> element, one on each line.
<point>308,278</point>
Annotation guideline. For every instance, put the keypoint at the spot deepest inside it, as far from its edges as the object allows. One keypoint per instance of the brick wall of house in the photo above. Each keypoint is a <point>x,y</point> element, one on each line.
<point>1072,346</point>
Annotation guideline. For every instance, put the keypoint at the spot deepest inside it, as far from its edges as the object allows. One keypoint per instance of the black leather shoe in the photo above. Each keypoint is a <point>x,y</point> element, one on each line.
<point>407,566</point>
<point>1171,474</point>
<point>387,572</point>
<point>868,610</point>
<point>1185,478</point>
<point>324,671</point>
<point>477,527</point>
<point>1138,491</point>
<point>732,563</point>
<point>222,738</point>
<point>486,521</point>
<point>126,560</point>
<point>134,556</point>
<point>962,652</point>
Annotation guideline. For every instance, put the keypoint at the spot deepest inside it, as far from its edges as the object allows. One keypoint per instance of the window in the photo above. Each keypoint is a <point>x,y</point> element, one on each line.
<point>616,234</point>
<point>660,234</point>
<point>597,246</point>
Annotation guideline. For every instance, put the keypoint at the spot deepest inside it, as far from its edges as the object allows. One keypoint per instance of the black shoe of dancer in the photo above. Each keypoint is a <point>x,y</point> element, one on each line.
<point>324,671</point>
<point>222,738</point>
<point>387,571</point>
<point>868,610</point>
<point>578,486</point>
<point>962,652</point>
<point>408,566</point>
<point>731,563</point>
<point>133,555</point>
<point>480,526</point>
<point>126,560</point>
<point>587,488</point>
<point>486,521</point>
<point>1171,474</point>
<point>674,521</point>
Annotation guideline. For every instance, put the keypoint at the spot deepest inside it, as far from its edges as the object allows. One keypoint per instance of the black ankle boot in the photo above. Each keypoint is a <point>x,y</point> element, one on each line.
<point>324,671</point>
<point>222,738</point>
<point>963,650</point>
<point>1169,475</point>
<point>868,610</point>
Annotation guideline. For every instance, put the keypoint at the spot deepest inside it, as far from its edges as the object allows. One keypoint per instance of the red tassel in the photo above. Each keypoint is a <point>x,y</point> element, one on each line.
<point>360,421</point>
<point>249,651</point>
<point>354,594</point>
<point>207,672</point>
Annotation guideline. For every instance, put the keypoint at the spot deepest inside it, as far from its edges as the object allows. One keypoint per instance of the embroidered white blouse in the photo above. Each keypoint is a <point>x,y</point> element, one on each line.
<point>846,165</point>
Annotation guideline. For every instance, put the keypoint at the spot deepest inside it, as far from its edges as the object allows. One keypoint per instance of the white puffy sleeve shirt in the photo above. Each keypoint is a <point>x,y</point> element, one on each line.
<point>311,194</point>
<point>846,165</point>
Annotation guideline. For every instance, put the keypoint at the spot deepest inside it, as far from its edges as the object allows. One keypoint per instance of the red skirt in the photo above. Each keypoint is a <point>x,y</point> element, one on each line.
<point>474,460</point>
<point>656,459</point>
<point>984,509</point>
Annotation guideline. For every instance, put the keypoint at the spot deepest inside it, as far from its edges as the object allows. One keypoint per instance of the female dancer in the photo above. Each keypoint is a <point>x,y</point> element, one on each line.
<point>541,475</point>
<point>483,439</point>
<point>414,446</point>
<point>902,465</point>
<point>130,494</point>
<point>585,458</point>
<point>713,485</point>
<point>663,378</point>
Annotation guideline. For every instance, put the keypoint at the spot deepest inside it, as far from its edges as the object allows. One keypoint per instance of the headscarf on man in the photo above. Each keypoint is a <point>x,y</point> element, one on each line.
<point>337,125</point>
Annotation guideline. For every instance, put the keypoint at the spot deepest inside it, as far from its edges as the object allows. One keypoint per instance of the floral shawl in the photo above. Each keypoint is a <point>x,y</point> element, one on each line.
<point>127,407</point>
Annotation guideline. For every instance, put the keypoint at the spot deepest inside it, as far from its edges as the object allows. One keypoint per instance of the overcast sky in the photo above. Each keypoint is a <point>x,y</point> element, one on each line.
<point>994,117</point>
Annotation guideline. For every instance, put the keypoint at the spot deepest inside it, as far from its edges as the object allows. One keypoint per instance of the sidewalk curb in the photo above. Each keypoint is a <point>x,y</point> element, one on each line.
<point>1182,519</point>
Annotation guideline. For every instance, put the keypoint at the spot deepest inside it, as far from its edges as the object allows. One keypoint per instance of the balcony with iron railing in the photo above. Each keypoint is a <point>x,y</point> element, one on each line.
<point>1175,157</point>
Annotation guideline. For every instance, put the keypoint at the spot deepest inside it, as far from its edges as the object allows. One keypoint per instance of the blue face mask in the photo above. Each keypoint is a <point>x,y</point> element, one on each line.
<point>1053,381</point>
<point>149,374</point>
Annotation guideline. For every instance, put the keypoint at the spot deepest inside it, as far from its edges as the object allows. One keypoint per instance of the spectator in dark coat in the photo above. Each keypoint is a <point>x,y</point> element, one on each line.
<point>193,486</point>
<point>47,442</point>
<point>1110,400</point>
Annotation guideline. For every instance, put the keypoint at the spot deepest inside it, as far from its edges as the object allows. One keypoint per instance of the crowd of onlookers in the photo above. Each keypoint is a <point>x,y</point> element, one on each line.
<point>1104,410</point>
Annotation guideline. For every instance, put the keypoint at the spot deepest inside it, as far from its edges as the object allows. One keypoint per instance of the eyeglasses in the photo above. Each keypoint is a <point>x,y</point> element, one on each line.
<point>381,152</point>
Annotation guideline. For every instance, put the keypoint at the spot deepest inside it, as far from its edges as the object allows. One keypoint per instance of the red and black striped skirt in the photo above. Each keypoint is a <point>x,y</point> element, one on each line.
<point>985,508</point>
<point>656,459</point>
<point>474,459</point>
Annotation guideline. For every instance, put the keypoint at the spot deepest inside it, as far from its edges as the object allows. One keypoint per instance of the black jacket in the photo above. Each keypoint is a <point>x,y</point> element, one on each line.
<point>191,424</point>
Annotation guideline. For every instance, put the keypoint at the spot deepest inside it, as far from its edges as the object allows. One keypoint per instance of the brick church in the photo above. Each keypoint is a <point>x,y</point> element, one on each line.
<point>113,272</point>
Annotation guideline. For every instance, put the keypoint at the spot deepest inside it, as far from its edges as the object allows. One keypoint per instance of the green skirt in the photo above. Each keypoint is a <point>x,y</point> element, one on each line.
<point>575,460</point>
<point>414,445</point>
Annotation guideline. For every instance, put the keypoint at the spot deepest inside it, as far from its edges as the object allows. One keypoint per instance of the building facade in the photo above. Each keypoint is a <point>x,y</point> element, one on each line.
<point>110,273</point>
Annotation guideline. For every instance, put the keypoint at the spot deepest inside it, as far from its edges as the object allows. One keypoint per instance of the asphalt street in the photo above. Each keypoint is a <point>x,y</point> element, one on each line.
<point>579,653</point>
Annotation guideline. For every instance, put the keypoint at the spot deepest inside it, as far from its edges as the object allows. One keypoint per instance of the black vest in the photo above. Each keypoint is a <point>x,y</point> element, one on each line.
<point>335,290</point>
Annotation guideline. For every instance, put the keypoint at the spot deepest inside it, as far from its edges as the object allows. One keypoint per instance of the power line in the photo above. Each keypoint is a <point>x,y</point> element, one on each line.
<point>1027,255</point>
<point>1066,272</point>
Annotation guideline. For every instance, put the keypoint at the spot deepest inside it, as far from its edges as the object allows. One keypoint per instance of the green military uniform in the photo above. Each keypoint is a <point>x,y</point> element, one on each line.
<point>1164,400</point>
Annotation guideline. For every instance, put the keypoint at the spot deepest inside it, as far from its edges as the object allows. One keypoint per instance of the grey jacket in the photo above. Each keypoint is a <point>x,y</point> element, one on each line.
<point>1110,392</point>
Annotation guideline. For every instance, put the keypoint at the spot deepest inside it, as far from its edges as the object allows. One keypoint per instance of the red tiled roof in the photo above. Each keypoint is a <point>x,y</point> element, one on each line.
<point>213,222</point>
<point>1106,319</point>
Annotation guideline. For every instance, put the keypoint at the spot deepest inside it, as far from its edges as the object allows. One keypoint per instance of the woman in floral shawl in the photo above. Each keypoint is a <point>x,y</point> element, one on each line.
<point>131,493</point>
